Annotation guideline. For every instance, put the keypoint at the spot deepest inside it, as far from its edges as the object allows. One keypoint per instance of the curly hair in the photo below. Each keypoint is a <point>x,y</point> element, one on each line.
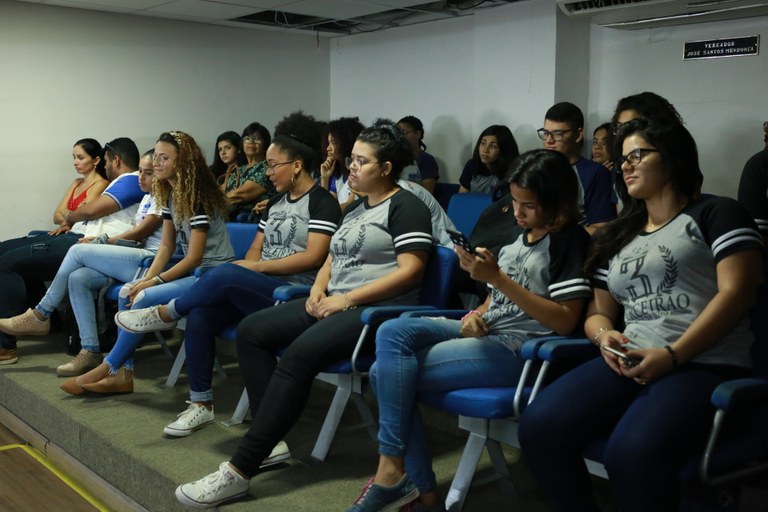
<point>195,188</point>
<point>298,135</point>
<point>344,131</point>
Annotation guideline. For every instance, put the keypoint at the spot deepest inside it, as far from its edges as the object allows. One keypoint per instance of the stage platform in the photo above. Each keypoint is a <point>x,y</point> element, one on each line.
<point>115,448</point>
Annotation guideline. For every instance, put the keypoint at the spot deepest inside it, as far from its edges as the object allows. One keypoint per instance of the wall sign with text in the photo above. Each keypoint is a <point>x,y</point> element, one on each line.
<point>718,48</point>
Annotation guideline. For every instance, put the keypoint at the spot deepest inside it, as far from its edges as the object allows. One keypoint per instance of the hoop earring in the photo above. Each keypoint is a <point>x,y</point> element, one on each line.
<point>295,179</point>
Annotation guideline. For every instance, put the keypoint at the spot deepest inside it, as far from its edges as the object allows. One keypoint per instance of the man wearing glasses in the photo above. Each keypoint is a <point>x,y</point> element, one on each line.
<point>563,131</point>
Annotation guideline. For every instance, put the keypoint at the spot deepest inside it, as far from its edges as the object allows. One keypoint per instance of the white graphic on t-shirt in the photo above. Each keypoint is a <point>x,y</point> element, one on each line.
<point>642,300</point>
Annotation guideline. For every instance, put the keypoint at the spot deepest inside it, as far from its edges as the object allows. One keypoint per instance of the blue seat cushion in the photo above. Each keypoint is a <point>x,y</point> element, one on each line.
<point>113,292</point>
<point>488,403</point>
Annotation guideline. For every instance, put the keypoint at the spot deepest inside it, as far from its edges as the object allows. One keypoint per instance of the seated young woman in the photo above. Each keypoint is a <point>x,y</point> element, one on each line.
<point>86,269</point>
<point>338,137</point>
<point>91,182</point>
<point>494,152</point>
<point>424,169</point>
<point>193,210</point>
<point>291,244</point>
<point>377,256</point>
<point>240,164</point>
<point>674,280</point>
<point>537,288</point>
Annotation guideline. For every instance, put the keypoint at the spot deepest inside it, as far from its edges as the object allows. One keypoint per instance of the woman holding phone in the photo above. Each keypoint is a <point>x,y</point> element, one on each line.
<point>537,288</point>
<point>674,278</point>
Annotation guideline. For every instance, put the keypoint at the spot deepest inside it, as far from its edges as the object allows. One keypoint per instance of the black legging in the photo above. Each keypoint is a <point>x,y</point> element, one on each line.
<point>278,390</point>
<point>25,264</point>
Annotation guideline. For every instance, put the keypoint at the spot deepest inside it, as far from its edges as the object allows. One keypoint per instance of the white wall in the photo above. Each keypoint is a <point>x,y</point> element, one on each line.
<point>457,76</point>
<point>724,102</point>
<point>67,74</point>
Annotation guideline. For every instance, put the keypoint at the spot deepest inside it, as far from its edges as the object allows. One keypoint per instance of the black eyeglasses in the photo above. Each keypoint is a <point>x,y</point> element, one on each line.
<point>272,166</point>
<point>635,156</point>
<point>557,135</point>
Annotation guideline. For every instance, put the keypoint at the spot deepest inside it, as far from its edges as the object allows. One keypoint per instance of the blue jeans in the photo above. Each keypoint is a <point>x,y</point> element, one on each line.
<point>221,297</point>
<point>85,270</point>
<point>122,353</point>
<point>652,431</point>
<point>423,354</point>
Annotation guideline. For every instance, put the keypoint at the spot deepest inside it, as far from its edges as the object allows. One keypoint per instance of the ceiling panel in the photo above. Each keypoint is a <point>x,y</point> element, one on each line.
<point>106,5</point>
<point>259,4</point>
<point>327,17</point>
<point>334,9</point>
<point>202,9</point>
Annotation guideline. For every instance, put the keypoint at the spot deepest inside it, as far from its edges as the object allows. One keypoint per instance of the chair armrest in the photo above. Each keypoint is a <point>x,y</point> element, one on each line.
<point>530,349</point>
<point>740,391</point>
<point>454,314</point>
<point>288,292</point>
<point>377,314</point>
<point>567,348</point>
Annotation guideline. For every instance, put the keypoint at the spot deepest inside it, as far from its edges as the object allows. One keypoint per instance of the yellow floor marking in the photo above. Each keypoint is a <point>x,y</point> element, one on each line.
<point>42,459</point>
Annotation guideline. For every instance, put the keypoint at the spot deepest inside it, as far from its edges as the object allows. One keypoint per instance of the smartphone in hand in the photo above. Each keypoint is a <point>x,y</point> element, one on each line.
<point>626,361</point>
<point>461,240</point>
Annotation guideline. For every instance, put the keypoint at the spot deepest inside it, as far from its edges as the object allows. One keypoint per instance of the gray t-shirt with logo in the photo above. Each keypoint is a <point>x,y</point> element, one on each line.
<point>217,250</point>
<point>366,245</point>
<point>551,267</point>
<point>287,223</point>
<point>665,279</point>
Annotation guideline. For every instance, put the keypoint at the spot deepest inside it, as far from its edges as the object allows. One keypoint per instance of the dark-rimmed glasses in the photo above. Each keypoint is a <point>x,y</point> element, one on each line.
<point>635,156</point>
<point>557,135</point>
<point>272,167</point>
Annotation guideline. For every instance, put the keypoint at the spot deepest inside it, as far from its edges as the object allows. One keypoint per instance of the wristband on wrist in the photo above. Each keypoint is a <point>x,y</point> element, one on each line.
<point>158,279</point>
<point>473,312</point>
<point>597,334</point>
<point>672,355</point>
<point>347,305</point>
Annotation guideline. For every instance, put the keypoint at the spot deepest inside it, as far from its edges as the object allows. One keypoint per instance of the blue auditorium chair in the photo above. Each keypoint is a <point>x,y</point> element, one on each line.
<point>348,375</point>
<point>737,447</point>
<point>465,209</point>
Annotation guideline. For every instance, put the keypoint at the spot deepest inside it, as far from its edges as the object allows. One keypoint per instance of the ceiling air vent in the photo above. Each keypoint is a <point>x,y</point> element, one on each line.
<point>635,14</point>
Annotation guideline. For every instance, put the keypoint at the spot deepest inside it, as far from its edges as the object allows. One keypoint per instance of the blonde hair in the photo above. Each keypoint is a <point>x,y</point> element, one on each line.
<point>196,186</point>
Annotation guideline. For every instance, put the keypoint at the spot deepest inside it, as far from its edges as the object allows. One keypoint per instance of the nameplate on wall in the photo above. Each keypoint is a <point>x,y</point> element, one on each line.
<point>719,48</point>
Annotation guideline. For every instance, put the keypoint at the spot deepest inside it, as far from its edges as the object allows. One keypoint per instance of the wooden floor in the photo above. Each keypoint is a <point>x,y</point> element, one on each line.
<point>28,483</point>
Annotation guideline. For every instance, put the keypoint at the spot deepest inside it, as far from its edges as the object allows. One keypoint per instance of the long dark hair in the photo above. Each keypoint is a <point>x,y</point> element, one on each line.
<point>93,148</point>
<point>218,167</point>
<point>680,159</point>
<point>549,175</point>
<point>508,151</point>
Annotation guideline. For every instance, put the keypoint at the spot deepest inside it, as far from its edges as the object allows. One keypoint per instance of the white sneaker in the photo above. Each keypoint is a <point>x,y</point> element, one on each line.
<point>194,418</point>
<point>208,492</point>
<point>280,453</point>
<point>143,320</point>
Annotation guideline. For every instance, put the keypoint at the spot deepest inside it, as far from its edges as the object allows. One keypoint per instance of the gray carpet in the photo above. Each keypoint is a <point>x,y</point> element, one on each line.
<point>120,438</point>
